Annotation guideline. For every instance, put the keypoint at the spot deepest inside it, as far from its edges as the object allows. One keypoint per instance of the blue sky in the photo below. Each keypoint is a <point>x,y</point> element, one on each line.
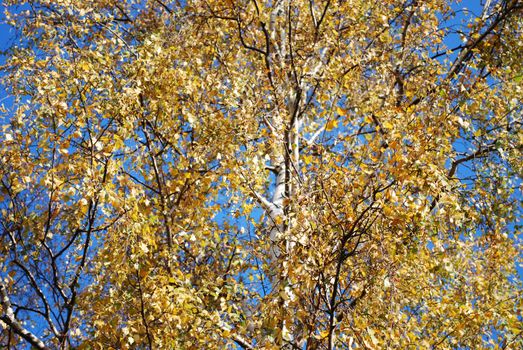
<point>5,34</point>
<point>6,38</point>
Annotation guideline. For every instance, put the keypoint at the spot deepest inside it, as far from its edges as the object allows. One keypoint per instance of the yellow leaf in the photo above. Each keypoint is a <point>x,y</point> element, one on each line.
<point>387,125</point>
<point>331,124</point>
<point>83,66</point>
<point>307,159</point>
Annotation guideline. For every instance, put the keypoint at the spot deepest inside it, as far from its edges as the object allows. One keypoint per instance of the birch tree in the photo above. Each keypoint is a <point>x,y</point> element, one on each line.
<point>257,174</point>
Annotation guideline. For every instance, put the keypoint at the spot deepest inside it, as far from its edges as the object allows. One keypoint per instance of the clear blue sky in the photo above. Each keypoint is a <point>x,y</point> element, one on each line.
<point>6,37</point>
<point>5,33</point>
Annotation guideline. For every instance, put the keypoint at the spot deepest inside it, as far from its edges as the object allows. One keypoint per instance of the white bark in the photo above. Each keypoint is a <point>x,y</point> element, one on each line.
<point>274,209</point>
<point>8,317</point>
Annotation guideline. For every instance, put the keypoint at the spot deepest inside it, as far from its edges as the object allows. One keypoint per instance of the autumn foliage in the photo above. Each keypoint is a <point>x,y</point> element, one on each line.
<point>306,174</point>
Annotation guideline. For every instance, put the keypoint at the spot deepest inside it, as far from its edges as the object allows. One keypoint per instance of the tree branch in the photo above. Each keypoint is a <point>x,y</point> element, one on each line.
<point>8,318</point>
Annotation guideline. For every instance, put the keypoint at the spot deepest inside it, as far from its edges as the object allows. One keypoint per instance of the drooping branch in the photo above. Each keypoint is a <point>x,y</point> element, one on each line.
<point>480,152</point>
<point>467,51</point>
